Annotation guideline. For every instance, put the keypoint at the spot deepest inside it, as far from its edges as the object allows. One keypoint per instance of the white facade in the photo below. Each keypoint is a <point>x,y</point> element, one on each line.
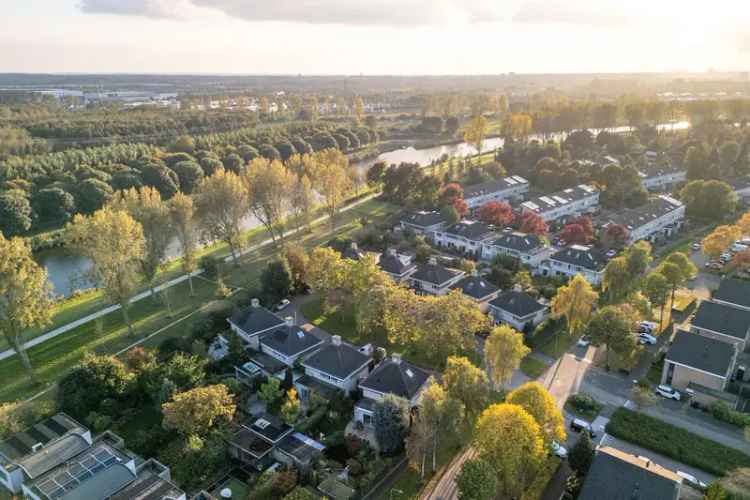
<point>428,288</point>
<point>532,258</point>
<point>347,384</point>
<point>662,221</point>
<point>556,268</point>
<point>501,316</point>
<point>510,188</point>
<point>571,202</point>
<point>659,181</point>
<point>463,243</point>
<point>576,259</point>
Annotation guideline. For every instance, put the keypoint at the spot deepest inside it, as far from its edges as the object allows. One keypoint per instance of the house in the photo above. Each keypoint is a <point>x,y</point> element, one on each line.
<point>289,342</point>
<point>397,266</point>
<point>467,236</point>
<point>26,455</point>
<point>518,309</point>
<point>660,218</point>
<point>702,364</point>
<point>252,321</point>
<point>734,293</point>
<point>337,365</point>
<point>434,279</point>
<point>392,376</point>
<point>508,188</point>
<point>616,475</point>
<point>662,177</point>
<point>575,259</point>
<point>423,222</point>
<point>565,204</point>
<point>478,289</point>
<point>529,249</point>
<point>722,322</point>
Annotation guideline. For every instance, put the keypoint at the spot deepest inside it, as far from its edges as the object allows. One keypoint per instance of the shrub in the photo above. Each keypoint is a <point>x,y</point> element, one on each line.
<point>210,265</point>
<point>284,482</point>
<point>675,443</point>
<point>721,411</point>
<point>584,403</point>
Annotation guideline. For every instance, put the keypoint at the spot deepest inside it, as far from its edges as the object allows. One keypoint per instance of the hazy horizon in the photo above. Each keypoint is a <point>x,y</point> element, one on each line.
<point>378,37</point>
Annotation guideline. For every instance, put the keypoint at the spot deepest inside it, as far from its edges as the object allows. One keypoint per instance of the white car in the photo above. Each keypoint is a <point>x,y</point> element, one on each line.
<point>738,247</point>
<point>282,305</point>
<point>725,257</point>
<point>689,478</point>
<point>559,450</point>
<point>696,246</point>
<point>645,338</point>
<point>583,342</point>
<point>667,392</point>
<point>647,327</point>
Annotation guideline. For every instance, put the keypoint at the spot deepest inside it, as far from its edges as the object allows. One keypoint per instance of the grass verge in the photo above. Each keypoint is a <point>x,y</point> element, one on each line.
<point>533,367</point>
<point>675,443</point>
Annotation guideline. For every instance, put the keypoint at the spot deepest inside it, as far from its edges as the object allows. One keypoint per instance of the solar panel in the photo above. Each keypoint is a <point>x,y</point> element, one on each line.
<point>97,468</point>
<point>511,181</point>
<point>103,455</point>
<point>547,200</point>
<point>560,199</point>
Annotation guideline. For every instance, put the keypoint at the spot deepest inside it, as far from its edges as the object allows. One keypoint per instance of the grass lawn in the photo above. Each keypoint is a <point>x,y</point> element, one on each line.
<point>552,339</point>
<point>52,359</point>
<point>239,488</point>
<point>533,367</point>
<point>410,481</point>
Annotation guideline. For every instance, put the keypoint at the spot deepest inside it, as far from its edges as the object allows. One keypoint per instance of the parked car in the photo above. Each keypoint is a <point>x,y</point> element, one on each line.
<point>692,480</point>
<point>696,246</point>
<point>579,425</point>
<point>282,305</point>
<point>713,264</point>
<point>738,247</point>
<point>611,253</point>
<point>647,327</point>
<point>558,450</point>
<point>583,341</point>
<point>725,257</point>
<point>645,338</point>
<point>667,392</point>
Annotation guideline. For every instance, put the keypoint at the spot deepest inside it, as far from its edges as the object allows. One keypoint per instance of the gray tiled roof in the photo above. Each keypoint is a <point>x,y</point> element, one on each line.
<point>520,242</point>
<point>493,186</point>
<point>722,319</point>
<point>475,287</point>
<point>703,353</point>
<point>252,320</point>
<point>550,201</point>
<point>290,340</point>
<point>734,292</point>
<point>423,219</point>
<point>471,230</point>
<point>148,486</point>
<point>338,360</point>
<point>54,454</point>
<point>402,379</point>
<point>633,218</point>
<point>519,304</point>
<point>269,427</point>
<point>396,265</point>
<point>578,255</point>
<point>435,274</point>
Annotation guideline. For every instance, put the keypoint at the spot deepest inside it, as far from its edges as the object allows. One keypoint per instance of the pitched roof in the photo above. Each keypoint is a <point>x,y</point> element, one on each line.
<point>493,186</point>
<point>290,340</point>
<point>252,320</point>
<point>471,230</point>
<point>423,219</point>
<point>338,360</point>
<point>722,319</point>
<point>541,204</point>
<point>734,292</point>
<point>634,218</point>
<point>583,256</point>
<point>616,475</point>
<point>400,378</point>
<point>520,242</point>
<point>519,304</point>
<point>700,352</point>
<point>396,265</point>
<point>435,274</point>
<point>475,287</point>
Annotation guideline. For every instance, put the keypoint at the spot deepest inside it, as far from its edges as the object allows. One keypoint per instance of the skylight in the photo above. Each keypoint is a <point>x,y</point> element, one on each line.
<point>262,423</point>
<point>409,373</point>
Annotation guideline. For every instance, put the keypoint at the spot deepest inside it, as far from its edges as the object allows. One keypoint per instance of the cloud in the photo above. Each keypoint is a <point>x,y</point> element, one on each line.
<point>579,12</point>
<point>347,12</point>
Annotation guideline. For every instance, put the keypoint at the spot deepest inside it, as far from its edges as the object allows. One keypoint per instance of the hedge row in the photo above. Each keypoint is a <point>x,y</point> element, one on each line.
<point>675,443</point>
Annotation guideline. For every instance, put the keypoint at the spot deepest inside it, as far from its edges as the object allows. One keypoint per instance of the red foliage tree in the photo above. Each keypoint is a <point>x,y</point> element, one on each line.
<point>574,234</point>
<point>450,192</point>
<point>615,236</point>
<point>741,260</point>
<point>532,223</point>
<point>497,213</point>
<point>461,207</point>
<point>588,227</point>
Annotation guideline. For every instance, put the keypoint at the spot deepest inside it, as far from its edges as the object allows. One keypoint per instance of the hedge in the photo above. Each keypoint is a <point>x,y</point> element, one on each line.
<point>675,443</point>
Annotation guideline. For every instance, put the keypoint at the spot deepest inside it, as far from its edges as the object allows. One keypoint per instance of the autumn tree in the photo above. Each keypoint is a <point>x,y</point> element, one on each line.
<point>677,268</point>
<point>477,481</point>
<point>508,438</point>
<point>292,408</point>
<point>182,215</point>
<point>367,284</point>
<point>741,261</point>
<point>25,295</point>
<point>269,186</point>
<point>466,383</point>
<point>114,242</point>
<point>497,213</point>
<point>616,281</point>
<point>221,204</point>
<point>612,326</point>
<point>359,109</point>
<point>657,288</point>
<point>325,272</point>
<point>442,414</point>
<point>152,213</point>
<point>574,234</point>
<point>198,410</point>
<point>475,132</point>
<point>615,236</point>
<point>720,239</point>
<point>330,179</point>
<point>302,203</point>
<point>532,223</point>
<point>449,323</point>
<point>744,223</point>
<point>503,352</point>
<point>574,302</point>
<point>540,404</point>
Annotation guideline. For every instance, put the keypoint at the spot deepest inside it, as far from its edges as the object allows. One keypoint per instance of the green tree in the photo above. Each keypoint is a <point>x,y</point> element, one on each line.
<point>656,287</point>
<point>276,280</point>
<point>503,351</point>
<point>221,204</point>
<point>24,295</point>
<point>271,392</point>
<point>15,213</point>
<point>477,481</point>
<point>611,326</point>
<point>617,279</point>
<point>292,408</point>
<point>95,379</point>
<point>441,413</point>
<point>182,215</point>
<point>390,419</point>
<point>677,268</point>
<point>715,491</point>
<point>198,410</point>
<point>330,180</point>
<point>582,454</point>
<point>466,383</point>
<point>115,244</point>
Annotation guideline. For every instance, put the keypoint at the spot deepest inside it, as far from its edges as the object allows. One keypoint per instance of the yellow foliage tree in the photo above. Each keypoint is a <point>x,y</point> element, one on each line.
<point>540,404</point>
<point>720,239</point>
<point>475,132</point>
<point>575,302</point>
<point>503,352</point>
<point>198,410</point>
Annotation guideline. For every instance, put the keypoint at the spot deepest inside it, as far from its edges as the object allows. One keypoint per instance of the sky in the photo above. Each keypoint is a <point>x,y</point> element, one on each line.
<point>373,36</point>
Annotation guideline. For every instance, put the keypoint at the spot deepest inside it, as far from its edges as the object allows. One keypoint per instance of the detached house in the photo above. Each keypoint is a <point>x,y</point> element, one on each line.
<point>251,322</point>
<point>509,188</point>
<point>337,366</point>
<point>518,309</point>
<point>392,376</point>
<point>529,249</point>
<point>423,222</point>
<point>289,342</point>
<point>433,279</point>
<point>477,288</point>
<point>397,266</point>
<point>467,236</point>
<point>576,259</point>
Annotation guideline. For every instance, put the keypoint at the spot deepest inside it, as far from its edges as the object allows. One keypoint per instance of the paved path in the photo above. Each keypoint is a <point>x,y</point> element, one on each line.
<point>103,312</point>
<point>446,488</point>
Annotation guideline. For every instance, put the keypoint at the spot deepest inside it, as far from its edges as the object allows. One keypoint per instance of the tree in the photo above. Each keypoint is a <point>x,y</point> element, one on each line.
<point>708,200</point>
<point>532,223</point>
<point>450,192</point>
<point>466,383</point>
<point>744,223</point>
<point>198,410</point>
<point>292,408</point>
<point>696,163</point>
<point>114,242</point>
<point>95,379</point>
<point>276,280</point>
<point>359,109</point>
<point>575,302</point>
<point>300,493</point>
<point>221,204</point>
<point>330,180</point>
<point>162,178</point>
<point>741,261</point>
<point>503,352</point>
<point>540,404</point>
<point>475,131</point>
<point>269,186</point>
<point>496,213</point>
<point>302,202</point>
<point>719,240</point>
<point>617,280</point>
<point>15,213</point>
<point>677,268</point>
<point>92,195</point>
<point>737,483</point>
<point>449,324</point>
<point>441,413</point>
<point>54,204</point>
<point>656,287</point>
<point>25,295</point>
<point>390,422</point>
<point>476,481</point>
<point>182,216</point>
<point>615,236</point>
<point>270,392</point>
<point>611,326</point>
<point>297,260</point>
<point>574,234</point>
<point>190,175</point>
<point>510,441</point>
<point>715,491</point>
<point>461,207</point>
<point>582,454</point>
<point>147,208</point>
<point>642,396</point>
<point>325,271</point>
<point>450,214</point>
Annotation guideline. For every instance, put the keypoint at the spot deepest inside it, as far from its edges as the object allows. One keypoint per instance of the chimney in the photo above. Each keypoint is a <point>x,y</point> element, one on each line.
<point>433,261</point>
<point>255,303</point>
<point>289,321</point>
<point>392,252</point>
<point>336,339</point>
<point>396,358</point>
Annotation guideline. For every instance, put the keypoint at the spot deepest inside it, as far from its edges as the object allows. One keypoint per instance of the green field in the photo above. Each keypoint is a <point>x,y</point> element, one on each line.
<point>54,358</point>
